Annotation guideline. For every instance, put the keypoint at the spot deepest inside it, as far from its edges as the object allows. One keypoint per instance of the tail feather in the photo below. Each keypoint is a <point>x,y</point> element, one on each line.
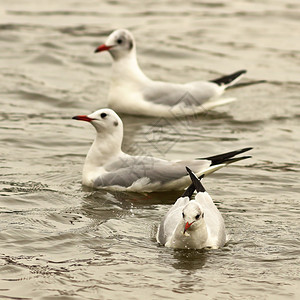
<point>229,79</point>
<point>217,102</point>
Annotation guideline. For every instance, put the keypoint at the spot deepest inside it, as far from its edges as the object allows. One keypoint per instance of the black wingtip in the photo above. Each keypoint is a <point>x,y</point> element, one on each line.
<point>196,181</point>
<point>242,84</point>
<point>235,159</point>
<point>228,156</point>
<point>189,191</point>
<point>224,80</point>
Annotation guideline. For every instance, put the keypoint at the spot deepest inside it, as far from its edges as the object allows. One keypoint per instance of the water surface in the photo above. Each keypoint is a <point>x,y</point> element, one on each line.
<point>61,241</point>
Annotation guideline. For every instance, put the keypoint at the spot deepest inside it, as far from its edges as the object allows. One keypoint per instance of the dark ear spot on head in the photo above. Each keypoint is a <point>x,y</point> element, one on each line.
<point>202,214</point>
<point>116,123</point>
<point>130,45</point>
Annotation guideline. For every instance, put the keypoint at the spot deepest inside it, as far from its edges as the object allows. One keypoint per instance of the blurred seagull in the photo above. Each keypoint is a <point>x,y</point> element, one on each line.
<point>107,166</point>
<point>132,92</point>
<point>192,224</point>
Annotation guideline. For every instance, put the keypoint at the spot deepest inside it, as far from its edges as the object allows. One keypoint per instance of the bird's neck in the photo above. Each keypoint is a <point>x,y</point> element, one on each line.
<point>127,69</point>
<point>104,149</point>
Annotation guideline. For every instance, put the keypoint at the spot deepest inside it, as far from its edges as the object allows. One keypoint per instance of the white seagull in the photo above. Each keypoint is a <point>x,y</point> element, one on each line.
<point>192,224</point>
<point>132,92</point>
<point>107,166</point>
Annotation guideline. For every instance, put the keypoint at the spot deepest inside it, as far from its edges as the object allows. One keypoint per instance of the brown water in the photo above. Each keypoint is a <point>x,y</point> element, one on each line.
<point>60,241</point>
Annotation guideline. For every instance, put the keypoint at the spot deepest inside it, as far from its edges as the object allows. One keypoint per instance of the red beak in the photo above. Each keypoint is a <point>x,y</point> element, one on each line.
<point>187,226</point>
<point>102,48</point>
<point>83,118</point>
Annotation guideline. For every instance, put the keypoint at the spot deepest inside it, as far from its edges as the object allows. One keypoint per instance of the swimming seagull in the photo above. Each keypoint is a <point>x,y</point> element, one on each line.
<point>132,92</point>
<point>107,166</point>
<point>192,224</point>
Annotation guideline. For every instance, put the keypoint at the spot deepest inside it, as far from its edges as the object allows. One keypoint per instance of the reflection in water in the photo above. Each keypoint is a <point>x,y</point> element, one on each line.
<point>102,205</point>
<point>190,260</point>
<point>126,199</point>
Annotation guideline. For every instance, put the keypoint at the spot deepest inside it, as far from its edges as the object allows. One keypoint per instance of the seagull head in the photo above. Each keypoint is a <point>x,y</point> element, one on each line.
<point>119,44</point>
<point>192,215</point>
<point>105,121</point>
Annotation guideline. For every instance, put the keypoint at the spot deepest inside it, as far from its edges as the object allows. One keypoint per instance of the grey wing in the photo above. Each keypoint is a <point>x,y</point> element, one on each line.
<point>123,178</point>
<point>170,221</point>
<point>127,170</point>
<point>190,94</point>
<point>213,218</point>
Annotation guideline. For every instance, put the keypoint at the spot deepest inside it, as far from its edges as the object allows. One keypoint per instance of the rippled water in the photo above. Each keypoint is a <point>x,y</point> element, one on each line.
<point>61,241</point>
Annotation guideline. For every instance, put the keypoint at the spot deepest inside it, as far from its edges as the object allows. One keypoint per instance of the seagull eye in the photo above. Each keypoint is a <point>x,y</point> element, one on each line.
<point>103,115</point>
<point>183,215</point>
<point>119,41</point>
<point>197,217</point>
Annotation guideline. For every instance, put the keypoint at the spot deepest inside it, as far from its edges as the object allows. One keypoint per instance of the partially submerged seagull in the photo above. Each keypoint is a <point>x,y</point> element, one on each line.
<point>107,166</point>
<point>132,92</point>
<point>192,224</point>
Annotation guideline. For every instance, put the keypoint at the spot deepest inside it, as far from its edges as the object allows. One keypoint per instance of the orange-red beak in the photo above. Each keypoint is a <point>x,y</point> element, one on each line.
<point>102,48</point>
<point>83,118</point>
<point>187,226</point>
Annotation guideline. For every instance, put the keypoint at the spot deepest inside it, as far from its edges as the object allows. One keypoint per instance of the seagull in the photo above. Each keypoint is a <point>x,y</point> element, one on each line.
<point>107,166</point>
<point>132,92</point>
<point>192,224</point>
